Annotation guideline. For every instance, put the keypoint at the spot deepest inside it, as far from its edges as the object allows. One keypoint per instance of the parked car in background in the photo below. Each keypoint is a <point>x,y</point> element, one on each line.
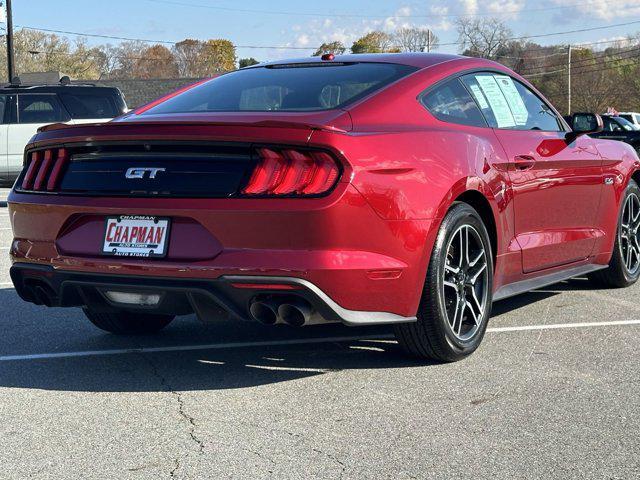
<point>632,117</point>
<point>25,108</point>
<point>404,189</point>
<point>614,128</point>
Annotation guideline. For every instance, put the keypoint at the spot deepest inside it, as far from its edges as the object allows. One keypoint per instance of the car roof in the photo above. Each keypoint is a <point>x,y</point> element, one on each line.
<point>420,60</point>
<point>84,88</point>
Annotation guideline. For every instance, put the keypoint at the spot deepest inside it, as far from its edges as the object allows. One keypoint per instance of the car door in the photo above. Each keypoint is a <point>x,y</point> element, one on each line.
<point>556,184</point>
<point>33,110</point>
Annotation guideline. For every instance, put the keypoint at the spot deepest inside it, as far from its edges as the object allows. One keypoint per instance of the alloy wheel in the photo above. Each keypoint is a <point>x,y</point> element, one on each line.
<point>465,282</point>
<point>628,234</point>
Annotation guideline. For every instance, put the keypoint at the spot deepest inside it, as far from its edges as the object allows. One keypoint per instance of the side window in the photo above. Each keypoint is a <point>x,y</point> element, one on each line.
<point>508,104</point>
<point>40,108</point>
<point>85,106</point>
<point>4,109</point>
<point>610,125</point>
<point>450,102</point>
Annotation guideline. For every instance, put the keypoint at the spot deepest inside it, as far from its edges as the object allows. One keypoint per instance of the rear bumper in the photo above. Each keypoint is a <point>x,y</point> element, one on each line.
<point>208,299</point>
<point>339,244</point>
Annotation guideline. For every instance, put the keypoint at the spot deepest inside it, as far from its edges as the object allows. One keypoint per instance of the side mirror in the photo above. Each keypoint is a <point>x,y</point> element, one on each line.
<point>584,124</point>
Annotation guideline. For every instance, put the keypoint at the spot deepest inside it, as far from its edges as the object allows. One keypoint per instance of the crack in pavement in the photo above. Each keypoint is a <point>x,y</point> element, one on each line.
<point>181,411</point>
<point>259,454</point>
<point>343,466</point>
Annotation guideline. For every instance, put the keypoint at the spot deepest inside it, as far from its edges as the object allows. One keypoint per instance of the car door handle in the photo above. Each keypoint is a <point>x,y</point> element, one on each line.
<point>524,162</point>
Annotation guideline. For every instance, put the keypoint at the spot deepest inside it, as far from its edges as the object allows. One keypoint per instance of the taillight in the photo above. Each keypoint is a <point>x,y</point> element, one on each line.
<point>44,170</point>
<point>292,172</point>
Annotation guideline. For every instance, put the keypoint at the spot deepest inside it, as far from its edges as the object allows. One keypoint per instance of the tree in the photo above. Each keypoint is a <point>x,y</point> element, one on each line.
<point>482,37</point>
<point>126,56</point>
<point>412,39</point>
<point>374,42</point>
<point>195,58</point>
<point>39,52</point>
<point>220,55</point>
<point>247,62</point>
<point>188,56</point>
<point>156,61</point>
<point>335,47</point>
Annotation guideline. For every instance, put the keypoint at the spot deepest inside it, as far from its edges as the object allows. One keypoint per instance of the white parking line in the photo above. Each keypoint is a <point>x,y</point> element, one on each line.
<point>211,346</point>
<point>564,325</point>
<point>299,341</point>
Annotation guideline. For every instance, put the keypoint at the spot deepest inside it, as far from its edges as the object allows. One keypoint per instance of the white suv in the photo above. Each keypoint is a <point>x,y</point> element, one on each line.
<point>23,109</point>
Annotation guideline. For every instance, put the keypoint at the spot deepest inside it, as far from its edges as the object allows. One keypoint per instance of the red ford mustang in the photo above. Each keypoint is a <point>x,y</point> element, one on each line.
<point>411,190</point>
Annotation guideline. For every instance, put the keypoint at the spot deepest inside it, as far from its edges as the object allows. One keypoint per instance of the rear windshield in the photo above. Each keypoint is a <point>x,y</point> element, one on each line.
<point>303,87</point>
<point>97,104</point>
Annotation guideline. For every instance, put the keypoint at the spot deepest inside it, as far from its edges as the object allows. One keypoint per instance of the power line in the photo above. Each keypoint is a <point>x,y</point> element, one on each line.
<point>580,30</point>
<point>359,15</point>
<point>557,54</point>
<point>143,40</point>
<point>613,67</point>
<point>540,74</point>
<point>588,69</point>
<point>284,47</point>
<point>582,61</point>
<point>524,57</point>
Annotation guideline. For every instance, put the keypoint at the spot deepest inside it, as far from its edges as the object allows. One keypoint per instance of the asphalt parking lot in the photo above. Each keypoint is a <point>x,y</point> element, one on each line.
<point>552,393</point>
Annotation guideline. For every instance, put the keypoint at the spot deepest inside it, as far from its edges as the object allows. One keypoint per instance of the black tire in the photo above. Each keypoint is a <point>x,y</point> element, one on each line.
<point>617,275</point>
<point>121,322</point>
<point>432,336</point>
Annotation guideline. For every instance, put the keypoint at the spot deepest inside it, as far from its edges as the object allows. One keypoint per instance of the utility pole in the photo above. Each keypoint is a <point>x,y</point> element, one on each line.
<point>569,83</point>
<point>428,40</point>
<point>10,57</point>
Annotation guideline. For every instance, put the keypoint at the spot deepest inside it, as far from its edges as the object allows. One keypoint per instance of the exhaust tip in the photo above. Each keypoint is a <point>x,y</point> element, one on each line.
<point>43,296</point>
<point>263,313</point>
<point>295,313</point>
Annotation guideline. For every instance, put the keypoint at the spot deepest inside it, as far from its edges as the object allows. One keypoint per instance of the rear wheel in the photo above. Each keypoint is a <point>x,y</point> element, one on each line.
<point>624,267</point>
<point>456,300</point>
<point>122,322</point>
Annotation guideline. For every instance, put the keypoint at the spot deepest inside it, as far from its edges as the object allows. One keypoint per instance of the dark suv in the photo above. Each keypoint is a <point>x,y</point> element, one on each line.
<point>615,128</point>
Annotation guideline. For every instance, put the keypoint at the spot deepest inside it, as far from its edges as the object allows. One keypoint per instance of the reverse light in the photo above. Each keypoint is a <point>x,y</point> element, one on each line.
<point>266,286</point>
<point>130,298</point>
<point>292,172</point>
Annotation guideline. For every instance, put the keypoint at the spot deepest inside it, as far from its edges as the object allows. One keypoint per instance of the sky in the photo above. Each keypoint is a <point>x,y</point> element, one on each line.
<point>300,27</point>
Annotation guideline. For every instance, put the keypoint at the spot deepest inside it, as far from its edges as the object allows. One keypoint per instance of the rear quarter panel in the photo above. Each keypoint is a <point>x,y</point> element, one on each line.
<point>410,167</point>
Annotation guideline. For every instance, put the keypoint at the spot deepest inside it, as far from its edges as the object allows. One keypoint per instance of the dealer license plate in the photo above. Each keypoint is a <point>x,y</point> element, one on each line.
<point>136,236</point>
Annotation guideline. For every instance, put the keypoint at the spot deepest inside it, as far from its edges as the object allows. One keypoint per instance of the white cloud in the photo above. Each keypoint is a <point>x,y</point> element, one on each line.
<point>348,30</point>
<point>503,6</point>
<point>473,7</point>
<point>469,7</point>
<point>303,40</point>
<point>604,8</point>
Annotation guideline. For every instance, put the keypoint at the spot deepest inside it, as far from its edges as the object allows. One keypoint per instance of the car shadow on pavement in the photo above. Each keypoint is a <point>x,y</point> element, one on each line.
<point>519,301</point>
<point>201,370</point>
<point>29,329</point>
